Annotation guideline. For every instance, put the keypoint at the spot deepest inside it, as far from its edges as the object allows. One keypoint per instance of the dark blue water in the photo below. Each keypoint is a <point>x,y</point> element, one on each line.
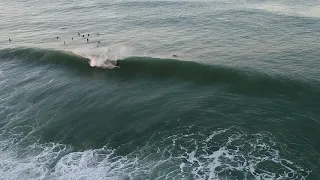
<point>202,90</point>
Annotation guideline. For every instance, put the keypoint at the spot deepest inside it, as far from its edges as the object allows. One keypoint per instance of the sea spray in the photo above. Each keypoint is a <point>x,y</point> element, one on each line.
<point>105,57</point>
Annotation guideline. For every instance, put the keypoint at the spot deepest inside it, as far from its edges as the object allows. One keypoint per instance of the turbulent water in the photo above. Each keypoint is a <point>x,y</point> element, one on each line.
<point>205,90</point>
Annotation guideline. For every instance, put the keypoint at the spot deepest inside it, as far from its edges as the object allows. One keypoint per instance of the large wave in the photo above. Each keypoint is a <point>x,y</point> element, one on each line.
<point>233,79</point>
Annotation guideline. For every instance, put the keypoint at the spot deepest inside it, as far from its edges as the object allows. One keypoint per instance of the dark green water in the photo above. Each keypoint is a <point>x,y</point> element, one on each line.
<point>241,100</point>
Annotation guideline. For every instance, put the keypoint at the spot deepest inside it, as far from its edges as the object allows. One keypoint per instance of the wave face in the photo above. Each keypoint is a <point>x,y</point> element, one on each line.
<point>43,55</point>
<point>240,80</point>
<point>152,118</point>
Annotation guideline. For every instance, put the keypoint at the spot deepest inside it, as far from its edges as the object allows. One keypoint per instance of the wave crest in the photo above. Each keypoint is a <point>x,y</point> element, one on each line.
<point>233,79</point>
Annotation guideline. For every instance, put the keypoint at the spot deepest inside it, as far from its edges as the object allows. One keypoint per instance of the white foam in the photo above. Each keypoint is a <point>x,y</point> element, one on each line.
<point>215,133</point>
<point>196,155</point>
<point>240,154</point>
<point>91,164</point>
<point>33,163</point>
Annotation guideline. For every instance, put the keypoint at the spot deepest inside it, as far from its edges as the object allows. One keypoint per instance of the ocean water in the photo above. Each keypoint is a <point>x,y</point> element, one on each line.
<point>239,100</point>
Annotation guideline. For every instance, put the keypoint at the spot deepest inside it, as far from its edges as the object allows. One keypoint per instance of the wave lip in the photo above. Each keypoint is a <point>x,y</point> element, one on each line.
<point>43,55</point>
